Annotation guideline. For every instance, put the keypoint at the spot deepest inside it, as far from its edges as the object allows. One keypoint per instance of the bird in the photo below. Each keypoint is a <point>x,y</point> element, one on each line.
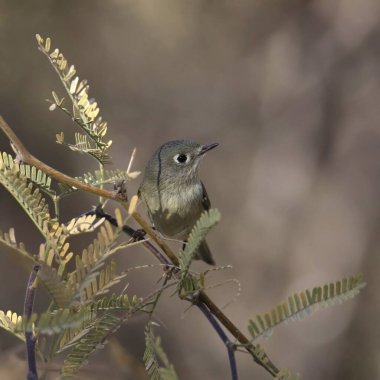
<point>173,193</point>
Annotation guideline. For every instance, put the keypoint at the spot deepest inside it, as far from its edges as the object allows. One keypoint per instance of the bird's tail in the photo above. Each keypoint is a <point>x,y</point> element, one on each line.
<point>204,254</point>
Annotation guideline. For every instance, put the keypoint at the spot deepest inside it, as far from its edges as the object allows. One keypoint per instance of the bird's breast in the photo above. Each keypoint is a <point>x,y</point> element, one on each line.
<point>181,200</point>
<point>176,209</point>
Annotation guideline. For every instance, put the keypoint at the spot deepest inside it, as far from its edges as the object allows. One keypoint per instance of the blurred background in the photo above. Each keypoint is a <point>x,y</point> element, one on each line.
<point>291,91</point>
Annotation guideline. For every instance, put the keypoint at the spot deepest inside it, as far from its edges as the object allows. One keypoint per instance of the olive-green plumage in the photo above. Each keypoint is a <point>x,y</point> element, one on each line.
<point>173,192</point>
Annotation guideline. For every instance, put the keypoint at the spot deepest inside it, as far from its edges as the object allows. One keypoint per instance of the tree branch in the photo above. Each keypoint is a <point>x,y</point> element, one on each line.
<point>99,212</point>
<point>149,230</point>
<point>30,340</point>
<point>28,158</point>
<point>229,345</point>
<point>241,338</point>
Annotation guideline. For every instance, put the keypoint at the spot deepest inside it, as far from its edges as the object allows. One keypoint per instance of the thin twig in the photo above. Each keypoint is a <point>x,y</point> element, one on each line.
<point>30,340</point>
<point>229,345</point>
<point>226,322</point>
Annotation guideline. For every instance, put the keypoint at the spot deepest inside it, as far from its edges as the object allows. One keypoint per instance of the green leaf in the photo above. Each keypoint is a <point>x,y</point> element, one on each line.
<point>83,144</point>
<point>99,178</point>
<point>9,240</point>
<point>56,250</point>
<point>39,179</point>
<point>304,303</point>
<point>58,289</point>
<point>97,283</point>
<point>91,277</point>
<point>85,110</point>
<point>11,322</point>
<point>92,339</point>
<point>83,224</point>
<point>153,355</point>
<point>205,223</point>
<point>29,198</point>
<point>121,302</point>
<point>57,321</point>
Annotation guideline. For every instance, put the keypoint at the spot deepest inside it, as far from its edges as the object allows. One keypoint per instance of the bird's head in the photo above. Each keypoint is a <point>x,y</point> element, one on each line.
<point>179,159</point>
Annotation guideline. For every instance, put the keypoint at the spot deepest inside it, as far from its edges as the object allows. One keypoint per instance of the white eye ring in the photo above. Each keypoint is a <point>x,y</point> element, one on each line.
<point>181,158</point>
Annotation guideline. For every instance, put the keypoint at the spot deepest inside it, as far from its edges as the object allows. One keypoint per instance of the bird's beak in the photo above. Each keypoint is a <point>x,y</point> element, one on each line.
<point>206,148</point>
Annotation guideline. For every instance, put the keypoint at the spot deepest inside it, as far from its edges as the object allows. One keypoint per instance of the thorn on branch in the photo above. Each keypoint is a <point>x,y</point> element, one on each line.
<point>19,159</point>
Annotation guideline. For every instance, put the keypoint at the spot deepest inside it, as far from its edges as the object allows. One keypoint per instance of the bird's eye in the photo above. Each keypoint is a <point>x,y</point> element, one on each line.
<point>181,158</point>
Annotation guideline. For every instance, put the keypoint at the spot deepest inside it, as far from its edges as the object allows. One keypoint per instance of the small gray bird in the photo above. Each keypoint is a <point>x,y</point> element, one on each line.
<point>173,193</point>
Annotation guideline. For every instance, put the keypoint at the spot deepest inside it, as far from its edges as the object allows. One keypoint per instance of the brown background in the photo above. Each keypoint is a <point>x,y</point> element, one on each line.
<point>290,90</point>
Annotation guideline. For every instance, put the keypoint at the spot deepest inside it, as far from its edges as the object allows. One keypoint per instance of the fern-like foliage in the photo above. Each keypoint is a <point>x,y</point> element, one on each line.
<point>62,319</point>
<point>87,283</point>
<point>97,283</point>
<point>38,177</point>
<point>114,303</point>
<point>29,198</point>
<point>154,355</point>
<point>205,223</point>
<point>99,178</point>
<point>90,278</point>
<point>54,322</point>
<point>94,310</point>
<point>70,337</point>
<point>303,303</point>
<point>80,317</point>
<point>85,110</point>
<point>58,289</point>
<point>55,251</point>
<point>11,322</point>
<point>9,239</point>
<point>83,144</point>
<point>31,173</point>
<point>92,339</point>
<point>43,182</point>
<point>83,224</point>
<point>107,176</point>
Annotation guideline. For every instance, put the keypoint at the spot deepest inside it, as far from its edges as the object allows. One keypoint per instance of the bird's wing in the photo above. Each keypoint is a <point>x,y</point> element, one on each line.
<point>142,198</point>
<point>205,199</point>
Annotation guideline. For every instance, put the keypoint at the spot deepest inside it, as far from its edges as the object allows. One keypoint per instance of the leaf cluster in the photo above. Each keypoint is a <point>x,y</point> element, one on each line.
<point>85,110</point>
<point>80,315</point>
